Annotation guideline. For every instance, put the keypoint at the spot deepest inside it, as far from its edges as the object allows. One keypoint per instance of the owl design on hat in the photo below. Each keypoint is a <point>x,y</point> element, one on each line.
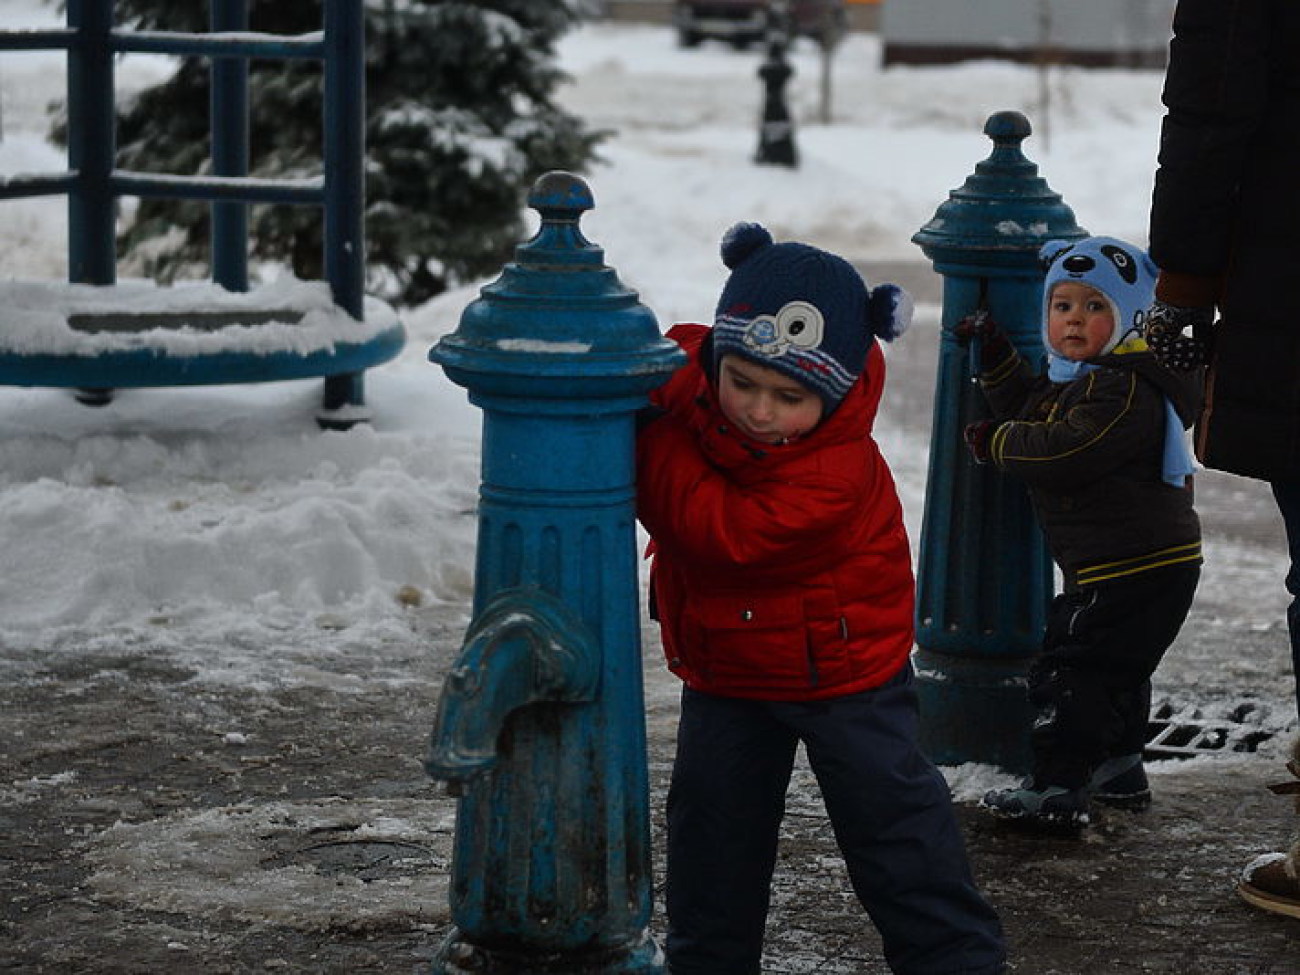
<point>796,325</point>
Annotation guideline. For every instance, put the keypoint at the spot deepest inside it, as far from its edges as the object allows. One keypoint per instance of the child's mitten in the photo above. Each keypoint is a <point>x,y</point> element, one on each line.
<point>993,347</point>
<point>647,415</point>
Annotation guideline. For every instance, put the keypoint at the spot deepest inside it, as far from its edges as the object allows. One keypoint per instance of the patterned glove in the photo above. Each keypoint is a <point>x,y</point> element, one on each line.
<point>1164,334</point>
<point>977,436</point>
<point>993,343</point>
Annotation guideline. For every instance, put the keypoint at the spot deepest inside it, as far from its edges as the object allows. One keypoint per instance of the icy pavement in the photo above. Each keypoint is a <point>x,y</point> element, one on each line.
<point>155,823</point>
<point>160,818</point>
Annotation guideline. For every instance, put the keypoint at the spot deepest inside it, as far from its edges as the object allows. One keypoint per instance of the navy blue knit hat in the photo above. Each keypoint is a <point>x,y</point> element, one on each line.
<point>802,311</point>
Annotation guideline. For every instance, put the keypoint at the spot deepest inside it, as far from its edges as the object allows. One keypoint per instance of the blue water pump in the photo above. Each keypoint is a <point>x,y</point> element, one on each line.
<point>540,727</point>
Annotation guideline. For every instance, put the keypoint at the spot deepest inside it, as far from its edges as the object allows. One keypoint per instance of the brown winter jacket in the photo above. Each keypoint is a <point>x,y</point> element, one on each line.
<point>1225,221</point>
<point>1090,451</point>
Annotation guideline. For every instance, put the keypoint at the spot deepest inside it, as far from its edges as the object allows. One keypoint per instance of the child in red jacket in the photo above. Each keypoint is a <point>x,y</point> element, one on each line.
<point>782,583</point>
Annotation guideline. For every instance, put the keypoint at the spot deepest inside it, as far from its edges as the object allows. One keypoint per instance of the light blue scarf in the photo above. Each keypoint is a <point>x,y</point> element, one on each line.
<point>1176,462</point>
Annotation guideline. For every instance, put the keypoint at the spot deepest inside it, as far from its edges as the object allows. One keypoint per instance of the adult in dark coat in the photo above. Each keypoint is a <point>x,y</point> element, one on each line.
<point>1225,231</point>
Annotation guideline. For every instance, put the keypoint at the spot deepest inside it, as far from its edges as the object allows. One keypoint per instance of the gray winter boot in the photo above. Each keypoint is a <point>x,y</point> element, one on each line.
<point>1272,881</point>
<point>1121,782</point>
<point>1051,807</point>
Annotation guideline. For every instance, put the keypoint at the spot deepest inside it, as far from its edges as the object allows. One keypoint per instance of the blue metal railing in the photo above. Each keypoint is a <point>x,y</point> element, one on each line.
<point>93,184</point>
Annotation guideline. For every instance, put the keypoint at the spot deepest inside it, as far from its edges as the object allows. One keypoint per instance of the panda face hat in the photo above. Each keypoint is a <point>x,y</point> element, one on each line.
<point>1124,274</point>
<point>802,311</point>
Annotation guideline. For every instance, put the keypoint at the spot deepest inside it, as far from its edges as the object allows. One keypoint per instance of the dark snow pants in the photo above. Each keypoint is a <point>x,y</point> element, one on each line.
<point>1287,494</point>
<point>889,808</point>
<point>1091,687</point>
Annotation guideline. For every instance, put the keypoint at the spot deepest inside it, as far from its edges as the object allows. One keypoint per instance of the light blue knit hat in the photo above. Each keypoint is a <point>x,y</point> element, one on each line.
<point>1125,274</point>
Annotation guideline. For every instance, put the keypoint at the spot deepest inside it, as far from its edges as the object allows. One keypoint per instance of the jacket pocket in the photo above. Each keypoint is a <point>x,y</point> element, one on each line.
<point>753,642</point>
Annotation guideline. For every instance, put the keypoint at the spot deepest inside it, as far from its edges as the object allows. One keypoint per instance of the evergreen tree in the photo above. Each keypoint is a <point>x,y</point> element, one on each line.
<point>460,121</point>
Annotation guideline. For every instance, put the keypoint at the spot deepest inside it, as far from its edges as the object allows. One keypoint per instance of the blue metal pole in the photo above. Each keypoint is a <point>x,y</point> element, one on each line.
<point>229,114</point>
<point>344,149</point>
<point>92,257</point>
<point>272,47</point>
<point>345,188</point>
<point>984,578</point>
<point>541,727</point>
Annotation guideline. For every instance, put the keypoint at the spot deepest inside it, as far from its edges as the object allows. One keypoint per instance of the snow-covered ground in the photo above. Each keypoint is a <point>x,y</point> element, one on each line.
<point>218,529</point>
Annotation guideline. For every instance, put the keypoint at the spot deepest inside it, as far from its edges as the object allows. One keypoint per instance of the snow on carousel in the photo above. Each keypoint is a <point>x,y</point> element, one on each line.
<point>95,334</point>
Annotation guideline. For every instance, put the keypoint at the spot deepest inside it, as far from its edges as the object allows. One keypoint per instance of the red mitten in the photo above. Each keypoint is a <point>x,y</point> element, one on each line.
<point>993,347</point>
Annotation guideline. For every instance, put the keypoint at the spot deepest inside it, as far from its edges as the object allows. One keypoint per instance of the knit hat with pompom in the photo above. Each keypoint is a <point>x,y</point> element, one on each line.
<point>802,311</point>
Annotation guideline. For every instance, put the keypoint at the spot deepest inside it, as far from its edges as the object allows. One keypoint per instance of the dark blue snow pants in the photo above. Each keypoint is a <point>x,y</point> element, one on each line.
<point>1091,687</point>
<point>888,805</point>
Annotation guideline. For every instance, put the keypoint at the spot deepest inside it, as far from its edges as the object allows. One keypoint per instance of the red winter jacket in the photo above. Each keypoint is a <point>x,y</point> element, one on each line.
<point>780,572</point>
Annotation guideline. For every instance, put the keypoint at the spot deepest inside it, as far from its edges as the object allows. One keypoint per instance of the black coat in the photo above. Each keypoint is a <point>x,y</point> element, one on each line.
<point>1226,212</point>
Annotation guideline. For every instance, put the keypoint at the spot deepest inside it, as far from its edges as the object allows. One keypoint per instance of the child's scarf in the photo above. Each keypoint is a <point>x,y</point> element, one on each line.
<point>1176,461</point>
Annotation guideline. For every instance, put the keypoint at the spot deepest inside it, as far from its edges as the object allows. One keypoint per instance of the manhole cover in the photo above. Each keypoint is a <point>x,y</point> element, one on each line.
<point>367,860</point>
<point>1182,733</point>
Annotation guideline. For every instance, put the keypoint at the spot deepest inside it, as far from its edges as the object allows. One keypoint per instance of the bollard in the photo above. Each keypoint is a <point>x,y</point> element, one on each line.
<point>540,728</point>
<point>984,575</point>
<point>776,127</point>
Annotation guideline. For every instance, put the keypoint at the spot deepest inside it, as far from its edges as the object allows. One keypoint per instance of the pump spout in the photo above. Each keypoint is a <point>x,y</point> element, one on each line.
<point>524,647</point>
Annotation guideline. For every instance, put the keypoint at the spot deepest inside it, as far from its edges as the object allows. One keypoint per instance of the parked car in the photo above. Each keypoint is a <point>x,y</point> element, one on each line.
<point>742,22</point>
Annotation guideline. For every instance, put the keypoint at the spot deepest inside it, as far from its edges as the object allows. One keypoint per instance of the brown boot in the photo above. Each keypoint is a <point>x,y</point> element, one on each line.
<point>1272,881</point>
<point>1269,882</point>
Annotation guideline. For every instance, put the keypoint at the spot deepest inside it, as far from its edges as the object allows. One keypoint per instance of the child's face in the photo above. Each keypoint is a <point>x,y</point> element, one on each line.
<point>764,404</point>
<point>1079,321</point>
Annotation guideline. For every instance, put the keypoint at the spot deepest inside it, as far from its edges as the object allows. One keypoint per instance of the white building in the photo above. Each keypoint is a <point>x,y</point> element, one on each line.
<point>1129,33</point>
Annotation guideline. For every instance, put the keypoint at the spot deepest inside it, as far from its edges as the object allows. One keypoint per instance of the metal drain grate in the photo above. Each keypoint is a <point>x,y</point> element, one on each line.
<point>1175,733</point>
